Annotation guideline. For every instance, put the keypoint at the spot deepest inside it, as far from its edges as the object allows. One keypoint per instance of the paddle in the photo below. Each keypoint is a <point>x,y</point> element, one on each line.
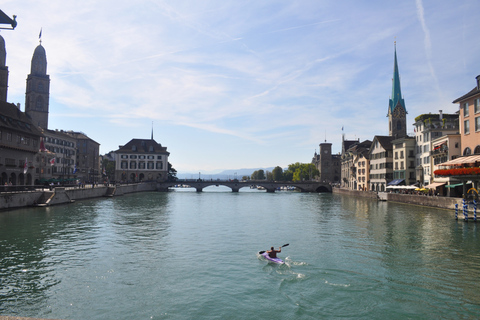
<point>285,245</point>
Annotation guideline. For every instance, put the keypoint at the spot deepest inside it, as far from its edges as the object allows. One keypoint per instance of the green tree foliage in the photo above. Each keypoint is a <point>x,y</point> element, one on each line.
<point>277,174</point>
<point>301,172</point>
<point>109,169</point>
<point>172,173</point>
<point>258,175</point>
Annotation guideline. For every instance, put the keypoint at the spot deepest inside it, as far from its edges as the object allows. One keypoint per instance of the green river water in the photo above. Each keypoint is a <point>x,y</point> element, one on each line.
<point>189,255</point>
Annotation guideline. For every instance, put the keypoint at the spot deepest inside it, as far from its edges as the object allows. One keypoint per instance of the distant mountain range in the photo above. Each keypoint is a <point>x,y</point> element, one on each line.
<point>226,174</point>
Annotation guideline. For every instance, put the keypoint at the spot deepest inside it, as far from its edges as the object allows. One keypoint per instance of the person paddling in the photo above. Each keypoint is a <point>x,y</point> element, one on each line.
<point>272,253</point>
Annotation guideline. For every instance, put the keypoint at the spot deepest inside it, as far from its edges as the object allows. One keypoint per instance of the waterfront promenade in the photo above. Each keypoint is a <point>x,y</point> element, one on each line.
<point>64,195</point>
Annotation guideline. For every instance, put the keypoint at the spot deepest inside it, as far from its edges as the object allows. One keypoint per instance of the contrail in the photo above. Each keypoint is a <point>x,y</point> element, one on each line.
<point>427,42</point>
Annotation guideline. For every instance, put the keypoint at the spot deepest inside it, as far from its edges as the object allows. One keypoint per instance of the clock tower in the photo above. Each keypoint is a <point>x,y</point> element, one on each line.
<point>397,113</point>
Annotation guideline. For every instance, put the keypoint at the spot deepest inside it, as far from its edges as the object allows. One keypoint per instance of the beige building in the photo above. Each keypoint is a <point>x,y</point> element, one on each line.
<point>404,161</point>
<point>141,160</point>
<point>381,163</point>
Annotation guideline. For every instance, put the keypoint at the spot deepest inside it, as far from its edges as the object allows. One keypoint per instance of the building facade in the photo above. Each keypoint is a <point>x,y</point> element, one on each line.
<point>141,160</point>
<point>19,145</point>
<point>381,163</point>
<point>404,161</point>
<point>429,127</point>
<point>64,146</point>
<point>327,164</point>
<point>469,120</point>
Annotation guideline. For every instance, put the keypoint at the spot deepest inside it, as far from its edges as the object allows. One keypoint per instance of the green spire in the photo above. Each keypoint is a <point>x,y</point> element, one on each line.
<point>396,97</point>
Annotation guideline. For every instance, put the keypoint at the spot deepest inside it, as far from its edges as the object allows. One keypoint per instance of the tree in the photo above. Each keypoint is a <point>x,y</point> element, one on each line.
<point>269,176</point>
<point>172,173</point>
<point>277,174</point>
<point>301,171</point>
<point>258,175</point>
<point>109,169</point>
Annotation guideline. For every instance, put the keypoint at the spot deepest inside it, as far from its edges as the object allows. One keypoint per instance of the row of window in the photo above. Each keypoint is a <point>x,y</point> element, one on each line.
<point>466,125</point>
<point>466,108</point>
<point>141,165</point>
<point>382,165</point>
<point>379,155</point>
<point>381,176</point>
<point>134,156</point>
<point>8,136</point>
<point>59,142</point>
<point>68,152</point>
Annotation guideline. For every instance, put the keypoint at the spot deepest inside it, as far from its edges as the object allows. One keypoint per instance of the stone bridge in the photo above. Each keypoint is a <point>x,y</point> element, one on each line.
<point>235,185</point>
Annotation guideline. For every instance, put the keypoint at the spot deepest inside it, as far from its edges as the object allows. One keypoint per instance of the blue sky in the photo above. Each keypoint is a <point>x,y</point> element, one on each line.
<point>242,84</point>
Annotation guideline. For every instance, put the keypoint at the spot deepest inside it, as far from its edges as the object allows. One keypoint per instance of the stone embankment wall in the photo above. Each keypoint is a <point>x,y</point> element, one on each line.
<point>421,200</point>
<point>61,195</point>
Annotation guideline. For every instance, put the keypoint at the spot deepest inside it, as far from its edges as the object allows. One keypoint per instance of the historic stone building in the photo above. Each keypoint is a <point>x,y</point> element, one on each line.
<point>328,164</point>
<point>141,160</point>
<point>19,145</point>
<point>37,94</point>
<point>3,71</point>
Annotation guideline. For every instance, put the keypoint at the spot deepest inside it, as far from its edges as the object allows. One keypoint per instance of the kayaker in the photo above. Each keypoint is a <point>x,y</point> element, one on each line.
<point>272,253</point>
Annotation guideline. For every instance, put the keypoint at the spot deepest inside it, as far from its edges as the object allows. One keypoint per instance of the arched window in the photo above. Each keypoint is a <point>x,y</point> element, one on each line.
<point>477,150</point>
<point>39,103</point>
<point>467,151</point>
<point>399,125</point>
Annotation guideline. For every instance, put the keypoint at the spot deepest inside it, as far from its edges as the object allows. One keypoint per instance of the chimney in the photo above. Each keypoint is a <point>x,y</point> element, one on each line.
<point>18,105</point>
<point>440,114</point>
<point>478,82</point>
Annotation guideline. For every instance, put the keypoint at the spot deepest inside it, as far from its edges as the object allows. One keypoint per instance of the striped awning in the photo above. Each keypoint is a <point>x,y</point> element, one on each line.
<point>462,161</point>
<point>434,185</point>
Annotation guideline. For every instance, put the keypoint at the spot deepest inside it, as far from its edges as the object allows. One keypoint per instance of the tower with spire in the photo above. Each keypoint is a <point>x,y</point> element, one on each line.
<point>397,113</point>
<point>37,94</point>
<point>3,71</point>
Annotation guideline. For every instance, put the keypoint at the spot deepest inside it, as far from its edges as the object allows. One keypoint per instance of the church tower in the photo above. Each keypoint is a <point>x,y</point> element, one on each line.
<point>397,113</point>
<point>3,71</point>
<point>38,89</point>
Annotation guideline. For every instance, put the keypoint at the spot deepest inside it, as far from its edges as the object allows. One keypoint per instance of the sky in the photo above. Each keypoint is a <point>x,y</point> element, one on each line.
<point>242,84</point>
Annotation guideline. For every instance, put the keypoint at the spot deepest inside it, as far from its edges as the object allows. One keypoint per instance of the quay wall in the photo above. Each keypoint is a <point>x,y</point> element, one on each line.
<point>62,195</point>
<point>421,200</point>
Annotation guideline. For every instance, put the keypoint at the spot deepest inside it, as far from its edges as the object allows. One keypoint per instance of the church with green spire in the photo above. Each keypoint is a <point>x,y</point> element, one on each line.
<point>397,113</point>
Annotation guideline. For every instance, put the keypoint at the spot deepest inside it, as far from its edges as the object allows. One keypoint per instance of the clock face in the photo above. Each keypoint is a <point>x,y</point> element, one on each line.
<point>398,112</point>
<point>326,151</point>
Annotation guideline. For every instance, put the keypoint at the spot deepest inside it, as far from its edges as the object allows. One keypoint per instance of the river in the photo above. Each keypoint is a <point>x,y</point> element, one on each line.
<point>189,255</point>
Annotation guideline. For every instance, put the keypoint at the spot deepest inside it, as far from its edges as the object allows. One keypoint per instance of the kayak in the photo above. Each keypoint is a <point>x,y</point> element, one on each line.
<point>275,260</point>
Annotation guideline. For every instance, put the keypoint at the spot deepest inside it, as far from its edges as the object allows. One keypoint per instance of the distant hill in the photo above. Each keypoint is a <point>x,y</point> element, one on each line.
<point>226,174</point>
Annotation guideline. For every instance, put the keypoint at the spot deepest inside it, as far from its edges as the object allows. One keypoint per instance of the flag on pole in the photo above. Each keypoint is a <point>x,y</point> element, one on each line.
<point>75,169</point>
<point>52,162</point>
<point>25,167</point>
<point>40,35</point>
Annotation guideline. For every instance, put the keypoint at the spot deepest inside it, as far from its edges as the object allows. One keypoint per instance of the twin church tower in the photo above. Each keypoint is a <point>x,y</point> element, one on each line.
<point>37,94</point>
